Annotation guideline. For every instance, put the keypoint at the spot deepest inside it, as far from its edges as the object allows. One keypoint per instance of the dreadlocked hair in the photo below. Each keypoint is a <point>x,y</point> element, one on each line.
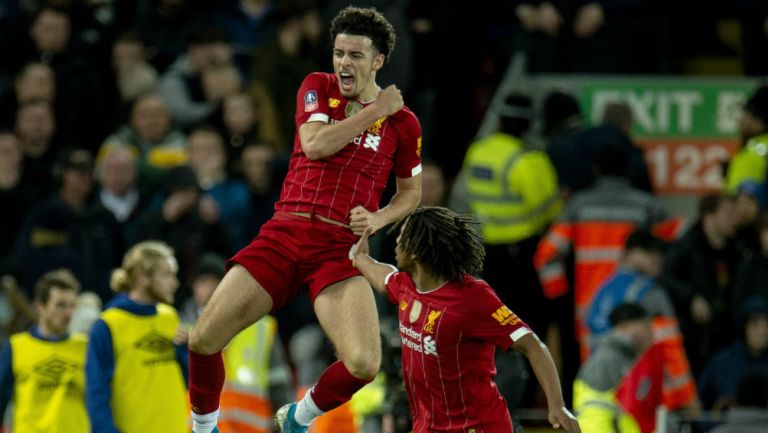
<point>444,242</point>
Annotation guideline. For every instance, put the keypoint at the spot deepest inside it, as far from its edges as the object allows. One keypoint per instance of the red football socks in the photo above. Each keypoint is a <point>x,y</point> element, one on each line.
<point>335,387</point>
<point>206,379</point>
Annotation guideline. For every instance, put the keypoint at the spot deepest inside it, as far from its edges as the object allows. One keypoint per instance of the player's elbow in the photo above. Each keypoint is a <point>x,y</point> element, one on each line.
<point>312,150</point>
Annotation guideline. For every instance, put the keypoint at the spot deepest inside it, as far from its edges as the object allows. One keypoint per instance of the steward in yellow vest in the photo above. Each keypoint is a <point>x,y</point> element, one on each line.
<point>513,192</point>
<point>137,362</point>
<point>41,370</point>
<point>750,162</point>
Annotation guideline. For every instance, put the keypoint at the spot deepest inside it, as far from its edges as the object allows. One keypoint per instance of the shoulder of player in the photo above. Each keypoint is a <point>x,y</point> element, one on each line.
<point>323,80</point>
<point>405,115</point>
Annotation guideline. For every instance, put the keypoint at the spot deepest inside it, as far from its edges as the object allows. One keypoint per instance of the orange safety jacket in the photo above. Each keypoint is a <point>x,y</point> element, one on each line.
<point>678,387</point>
<point>595,225</point>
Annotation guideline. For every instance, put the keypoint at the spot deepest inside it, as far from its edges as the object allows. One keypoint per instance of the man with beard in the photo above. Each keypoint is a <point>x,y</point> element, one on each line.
<point>136,362</point>
<point>350,135</point>
<point>450,325</point>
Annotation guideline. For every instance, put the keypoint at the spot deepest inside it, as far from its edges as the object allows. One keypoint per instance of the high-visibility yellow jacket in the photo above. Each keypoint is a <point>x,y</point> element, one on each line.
<point>512,191</point>
<point>748,164</point>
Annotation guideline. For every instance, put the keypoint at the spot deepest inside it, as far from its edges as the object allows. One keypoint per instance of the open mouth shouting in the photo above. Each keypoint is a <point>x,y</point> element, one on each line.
<point>347,82</point>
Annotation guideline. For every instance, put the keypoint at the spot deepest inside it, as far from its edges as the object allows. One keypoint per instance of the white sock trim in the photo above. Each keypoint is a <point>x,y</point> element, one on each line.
<point>204,423</point>
<point>306,410</point>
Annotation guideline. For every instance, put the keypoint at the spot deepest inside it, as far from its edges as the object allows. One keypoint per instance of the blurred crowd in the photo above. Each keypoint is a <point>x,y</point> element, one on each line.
<point>173,120</point>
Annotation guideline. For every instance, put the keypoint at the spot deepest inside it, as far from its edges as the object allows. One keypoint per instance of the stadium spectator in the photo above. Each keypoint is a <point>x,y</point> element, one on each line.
<point>42,370</point>
<point>698,276</point>
<point>751,412</point>
<point>136,365</point>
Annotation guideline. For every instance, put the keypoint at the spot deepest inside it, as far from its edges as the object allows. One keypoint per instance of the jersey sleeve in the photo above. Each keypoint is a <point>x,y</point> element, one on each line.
<point>312,100</point>
<point>493,322</point>
<point>393,282</point>
<point>408,156</point>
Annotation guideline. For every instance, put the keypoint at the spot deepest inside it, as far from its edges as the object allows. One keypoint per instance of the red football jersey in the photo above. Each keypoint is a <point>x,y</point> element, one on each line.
<point>449,336</point>
<point>356,174</point>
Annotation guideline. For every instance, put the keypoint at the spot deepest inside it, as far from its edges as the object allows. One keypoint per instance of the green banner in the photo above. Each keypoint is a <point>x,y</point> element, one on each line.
<point>671,107</point>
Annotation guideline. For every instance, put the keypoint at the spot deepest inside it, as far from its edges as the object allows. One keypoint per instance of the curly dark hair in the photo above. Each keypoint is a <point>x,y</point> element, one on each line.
<point>444,242</point>
<point>367,22</point>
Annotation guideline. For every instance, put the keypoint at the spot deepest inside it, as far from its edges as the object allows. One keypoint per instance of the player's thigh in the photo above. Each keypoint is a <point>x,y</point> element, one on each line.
<point>237,302</point>
<point>347,312</point>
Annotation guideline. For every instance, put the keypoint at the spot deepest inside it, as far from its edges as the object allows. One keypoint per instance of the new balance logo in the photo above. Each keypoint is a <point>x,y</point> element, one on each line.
<point>505,317</point>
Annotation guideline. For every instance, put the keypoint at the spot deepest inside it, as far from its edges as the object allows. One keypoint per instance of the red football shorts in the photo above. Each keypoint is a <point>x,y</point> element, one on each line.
<point>292,252</point>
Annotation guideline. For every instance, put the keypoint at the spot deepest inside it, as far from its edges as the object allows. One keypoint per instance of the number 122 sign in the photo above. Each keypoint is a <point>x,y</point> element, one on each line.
<point>687,166</point>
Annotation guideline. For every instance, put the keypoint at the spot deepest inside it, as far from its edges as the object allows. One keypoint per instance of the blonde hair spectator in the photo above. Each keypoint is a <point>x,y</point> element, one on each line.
<point>141,259</point>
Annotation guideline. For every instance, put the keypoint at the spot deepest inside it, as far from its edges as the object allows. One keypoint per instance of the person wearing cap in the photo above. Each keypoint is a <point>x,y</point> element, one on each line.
<point>71,230</point>
<point>719,379</point>
<point>594,390</point>
<point>635,282</point>
<point>749,163</point>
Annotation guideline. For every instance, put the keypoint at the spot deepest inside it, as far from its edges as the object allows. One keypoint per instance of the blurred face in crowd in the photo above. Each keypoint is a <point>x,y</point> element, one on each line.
<point>51,31</point>
<point>757,333</point>
<point>10,152</point>
<point>722,220</point>
<point>220,82</point>
<point>355,61</point>
<point>640,331</point>
<point>647,262</point>
<point>35,126</point>
<point>203,287</point>
<point>117,171</point>
<point>37,82</point>
<point>150,118</point>
<point>239,113</point>
<point>256,163</point>
<point>207,156</point>
<point>203,56</point>
<point>54,316</point>
<point>77,181</point>
<point>126,54</point>
<point>160,285</point>
<point>747,209</point>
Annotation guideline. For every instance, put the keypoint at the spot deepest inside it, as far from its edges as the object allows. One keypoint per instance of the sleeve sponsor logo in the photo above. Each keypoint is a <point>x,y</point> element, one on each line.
<point>431,319</point>
<point>333,102</point>
<point>310,101</point>
<point>505,316</point>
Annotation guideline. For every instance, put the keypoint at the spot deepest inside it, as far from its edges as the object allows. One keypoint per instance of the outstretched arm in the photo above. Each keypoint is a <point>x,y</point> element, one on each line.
<point>373,271</point>
<point>546,373</point>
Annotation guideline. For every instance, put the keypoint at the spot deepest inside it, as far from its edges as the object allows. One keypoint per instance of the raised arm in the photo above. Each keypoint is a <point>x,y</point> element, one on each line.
<point>320,140</point>
<point>546,373</point>
<point>376,273</point>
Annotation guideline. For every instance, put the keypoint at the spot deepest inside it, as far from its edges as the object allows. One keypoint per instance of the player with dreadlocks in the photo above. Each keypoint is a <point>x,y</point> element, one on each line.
<point>450,323</point>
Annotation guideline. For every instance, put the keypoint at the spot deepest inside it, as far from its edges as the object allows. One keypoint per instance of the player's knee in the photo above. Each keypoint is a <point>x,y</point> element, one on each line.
<point>364,364</point>
<point>200,343</point>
